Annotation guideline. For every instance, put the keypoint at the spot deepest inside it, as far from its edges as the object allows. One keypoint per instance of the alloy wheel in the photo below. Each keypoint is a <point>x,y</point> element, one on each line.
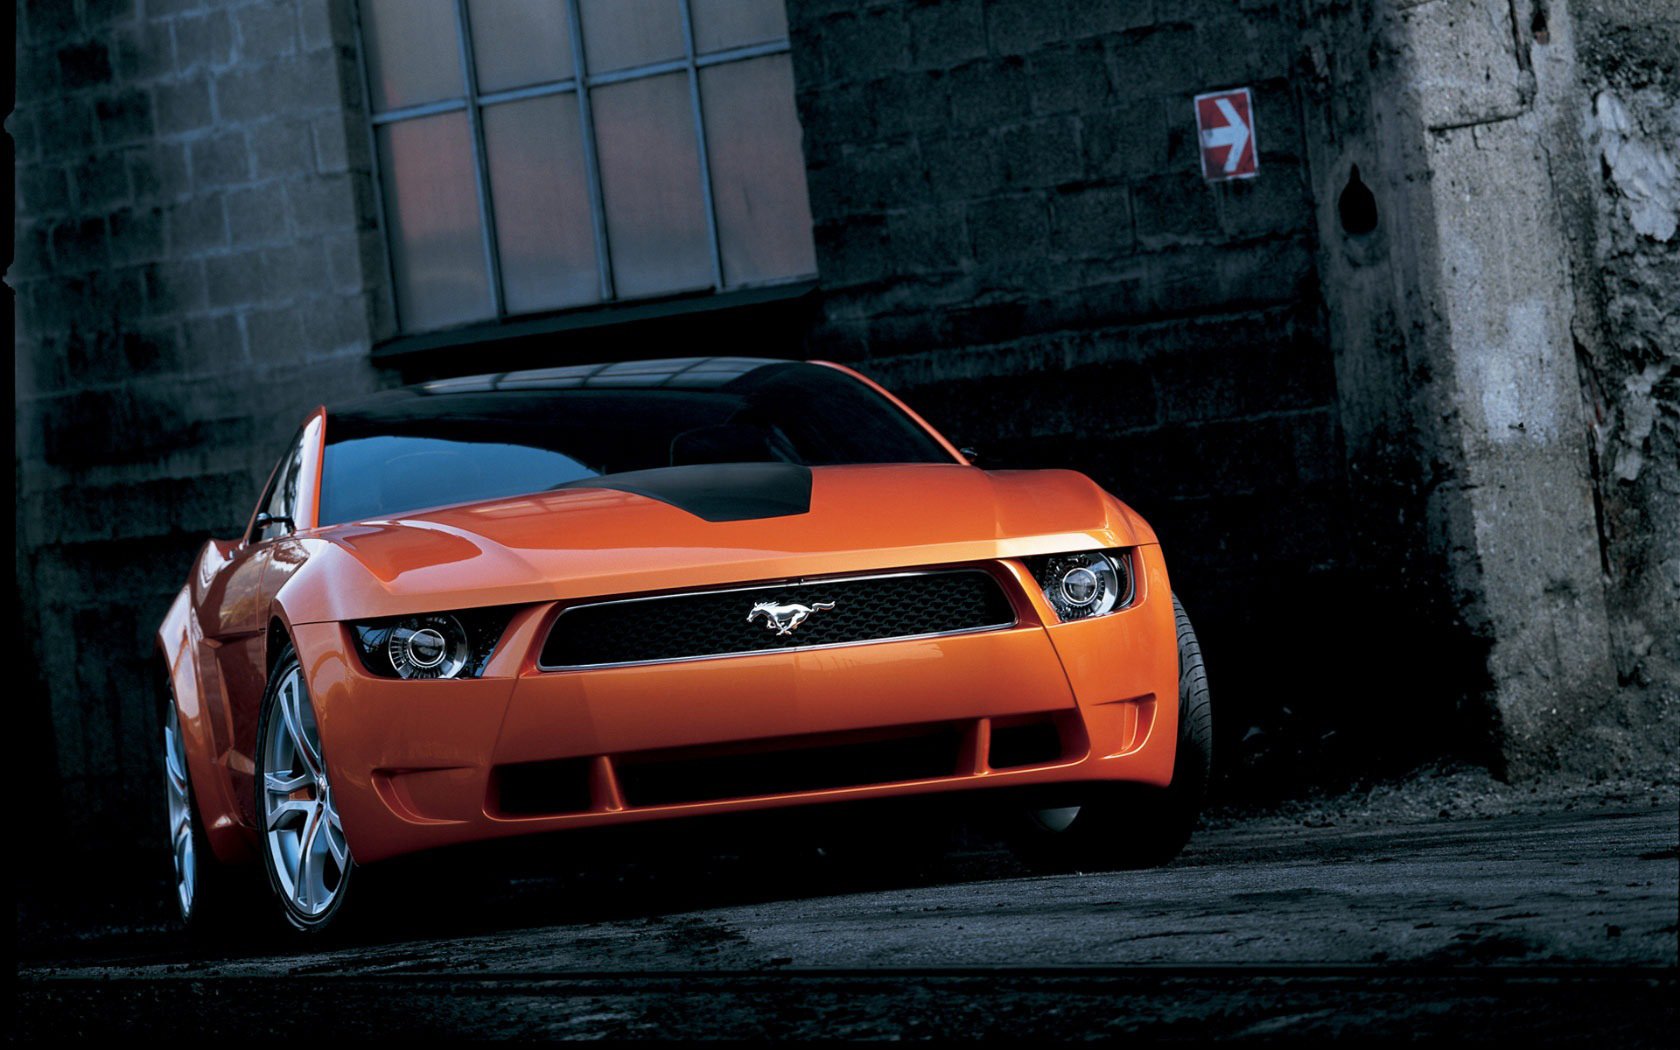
<point>180,813</point>
<point>304,836</point>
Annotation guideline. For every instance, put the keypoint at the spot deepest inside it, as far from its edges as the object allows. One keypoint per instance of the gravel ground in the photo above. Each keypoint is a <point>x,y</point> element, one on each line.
<point>1449,904</point>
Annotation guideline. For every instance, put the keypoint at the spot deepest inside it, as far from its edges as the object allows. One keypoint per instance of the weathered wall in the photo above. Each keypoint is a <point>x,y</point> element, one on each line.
<point>192,271</point>
<point>1013,232</point>
<point>1352,409</point>
<point>1622,180</point>
<point>1466,319</point>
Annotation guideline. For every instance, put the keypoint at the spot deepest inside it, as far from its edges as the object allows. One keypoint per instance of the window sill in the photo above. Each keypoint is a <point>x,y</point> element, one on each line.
<point>402,349</point>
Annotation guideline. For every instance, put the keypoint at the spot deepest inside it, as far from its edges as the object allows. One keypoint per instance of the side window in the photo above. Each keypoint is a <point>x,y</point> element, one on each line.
<point>281,499</point>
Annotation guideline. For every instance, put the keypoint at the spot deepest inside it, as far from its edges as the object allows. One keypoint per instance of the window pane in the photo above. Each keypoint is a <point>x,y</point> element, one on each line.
<point>540,196</point>
<point>519,42</point>
<point>413,51</point>
<point>650,179</point>
<point>618,34</point>
<point>720,24</point>
<point>431,205</point>
<point>758,170</point>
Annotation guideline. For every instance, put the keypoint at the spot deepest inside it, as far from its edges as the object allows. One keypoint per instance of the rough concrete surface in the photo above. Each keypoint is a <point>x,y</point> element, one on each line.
<point>1437,908</point>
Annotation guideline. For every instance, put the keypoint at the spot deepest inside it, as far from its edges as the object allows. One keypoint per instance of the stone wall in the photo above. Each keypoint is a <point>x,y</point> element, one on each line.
<point>1014,233</point>
<point>195,264</point>
<point>1623,180</point>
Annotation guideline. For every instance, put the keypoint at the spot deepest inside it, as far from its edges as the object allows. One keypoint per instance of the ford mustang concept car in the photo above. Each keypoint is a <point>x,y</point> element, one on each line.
<point>585,596</point>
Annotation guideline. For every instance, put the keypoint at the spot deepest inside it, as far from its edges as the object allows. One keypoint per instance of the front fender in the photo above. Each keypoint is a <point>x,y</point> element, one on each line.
<point>179,641</point>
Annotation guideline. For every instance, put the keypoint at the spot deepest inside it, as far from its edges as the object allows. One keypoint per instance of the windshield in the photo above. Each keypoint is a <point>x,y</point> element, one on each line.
<point>488,439</point>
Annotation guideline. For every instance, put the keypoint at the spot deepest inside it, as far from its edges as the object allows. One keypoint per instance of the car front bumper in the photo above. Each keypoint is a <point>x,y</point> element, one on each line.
<point>422,764</point>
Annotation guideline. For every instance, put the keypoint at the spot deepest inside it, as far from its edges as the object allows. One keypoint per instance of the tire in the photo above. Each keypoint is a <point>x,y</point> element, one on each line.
<point>1110,826</point>
<point>203,886</point>
<point>295,811</point>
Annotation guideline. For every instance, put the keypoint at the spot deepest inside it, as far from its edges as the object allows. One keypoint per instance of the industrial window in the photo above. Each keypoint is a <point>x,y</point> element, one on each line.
<point>538,155</point>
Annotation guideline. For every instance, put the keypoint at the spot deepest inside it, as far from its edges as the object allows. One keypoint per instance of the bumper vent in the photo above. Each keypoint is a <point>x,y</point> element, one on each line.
<point>714,623</point>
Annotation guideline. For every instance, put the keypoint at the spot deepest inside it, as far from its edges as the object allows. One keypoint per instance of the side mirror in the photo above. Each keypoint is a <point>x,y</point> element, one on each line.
<point>974,456</point>
<point>266,520</point>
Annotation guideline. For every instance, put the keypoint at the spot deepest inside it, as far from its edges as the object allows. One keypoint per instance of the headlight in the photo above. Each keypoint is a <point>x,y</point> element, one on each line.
<point>1080,586</point>
<point>431,645</point>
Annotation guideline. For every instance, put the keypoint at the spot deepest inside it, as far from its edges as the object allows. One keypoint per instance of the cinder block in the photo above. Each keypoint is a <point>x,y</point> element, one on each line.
<point>1015,27</point>
<point>144,51</point>
<point>1092,221</point>
<point>962,167</point>
<point>1279,202</point>
<point>1070,78</point>
<point>43,189</point>
<point>47,21</point>
<point>323,24</point>
<point>203,41</point>
<point>1175,209</point>
<point>37,72</point>
<point>212,343</point>
<point>865,44</point>
<point>62,128</point>
<point>279,147</point>
<point>136,234</point>
<point>324,203</point>
<point>1098,17</point>
<point>101,14</point>
<point>266,31</point>
<point>235,280</point>
<point>275,336</point>
<point>219,160</point>
<point>334,322</point>
<point>990,92</point>
<point>1040,153</point>
<point>945,33</point>
<point>852,251</point>
<point>124,118</point>
<point>177,286</point>
<point>80,245</point>
<point>84,66</point>
<point>1008,227</point>
<point>877,178</point>
<point>257,215</point>
<point>182,106</point>
<point>158,172</point>
<point>100,183</point>
<point>929,239</point>
<point>907,104</point>
<point>197,224</point>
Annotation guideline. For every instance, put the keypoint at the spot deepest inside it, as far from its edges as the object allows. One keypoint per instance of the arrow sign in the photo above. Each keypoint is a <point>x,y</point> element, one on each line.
<point>1225,128</point>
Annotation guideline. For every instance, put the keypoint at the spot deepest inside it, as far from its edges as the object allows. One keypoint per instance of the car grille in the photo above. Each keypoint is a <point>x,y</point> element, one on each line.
<point>714,623</point>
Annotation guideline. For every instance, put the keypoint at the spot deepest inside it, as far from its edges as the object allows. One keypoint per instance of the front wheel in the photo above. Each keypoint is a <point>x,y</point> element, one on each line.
<point>1111,826</point>
<point>201,886</point>
<point>304,850</point>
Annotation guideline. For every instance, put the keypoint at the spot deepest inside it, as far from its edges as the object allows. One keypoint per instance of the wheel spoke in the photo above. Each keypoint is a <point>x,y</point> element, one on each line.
<point>335,841</point>
<point>278,784</point>
<point>301,743</point>
<point>307,861</point>
<point>173,760</point>
<point>280,810</point>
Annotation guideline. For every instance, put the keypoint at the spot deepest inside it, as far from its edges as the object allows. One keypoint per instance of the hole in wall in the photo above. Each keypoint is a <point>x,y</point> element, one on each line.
<point>1357,206</point>
<point>1538,26</point>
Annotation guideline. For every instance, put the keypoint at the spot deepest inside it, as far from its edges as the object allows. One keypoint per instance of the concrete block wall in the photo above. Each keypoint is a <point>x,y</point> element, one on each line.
<point>1013,232</point>
<point>195,261</point>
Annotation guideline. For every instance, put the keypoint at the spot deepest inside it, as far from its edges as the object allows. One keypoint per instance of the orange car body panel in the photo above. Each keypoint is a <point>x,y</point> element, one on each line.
<point>413,763</point>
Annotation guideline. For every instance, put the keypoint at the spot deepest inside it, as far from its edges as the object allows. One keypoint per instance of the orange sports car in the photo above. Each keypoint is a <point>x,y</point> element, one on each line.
<point>584,596</point>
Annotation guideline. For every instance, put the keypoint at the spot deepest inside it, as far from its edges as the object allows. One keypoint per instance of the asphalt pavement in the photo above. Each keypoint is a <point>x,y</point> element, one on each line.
<point>1551,924</point>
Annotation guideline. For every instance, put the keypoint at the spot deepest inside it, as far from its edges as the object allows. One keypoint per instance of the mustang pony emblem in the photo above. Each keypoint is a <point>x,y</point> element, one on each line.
<point>783,619</point>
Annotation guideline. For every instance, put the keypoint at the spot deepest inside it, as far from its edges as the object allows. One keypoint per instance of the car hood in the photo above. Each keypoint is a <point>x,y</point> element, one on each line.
<point>594,541</point>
